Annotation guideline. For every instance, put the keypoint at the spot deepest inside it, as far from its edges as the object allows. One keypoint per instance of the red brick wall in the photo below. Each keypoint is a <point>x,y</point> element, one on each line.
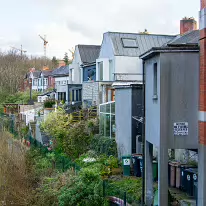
<point>187,25</point>
<point>202,92</point>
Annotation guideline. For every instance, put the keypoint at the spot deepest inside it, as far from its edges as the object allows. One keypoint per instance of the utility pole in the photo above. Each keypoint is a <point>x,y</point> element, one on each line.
<point>31,102</point>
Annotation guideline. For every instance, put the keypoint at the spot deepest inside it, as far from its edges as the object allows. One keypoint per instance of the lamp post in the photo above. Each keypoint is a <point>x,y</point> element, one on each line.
<point>42,77</point>
<point>30,88</point>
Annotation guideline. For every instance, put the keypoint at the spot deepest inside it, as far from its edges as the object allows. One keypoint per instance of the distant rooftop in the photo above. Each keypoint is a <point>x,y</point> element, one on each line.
<point>61,71</point>
<point>89,53</point>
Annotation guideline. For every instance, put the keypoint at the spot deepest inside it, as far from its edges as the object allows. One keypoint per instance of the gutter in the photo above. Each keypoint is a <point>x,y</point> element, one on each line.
<point>176,49</point>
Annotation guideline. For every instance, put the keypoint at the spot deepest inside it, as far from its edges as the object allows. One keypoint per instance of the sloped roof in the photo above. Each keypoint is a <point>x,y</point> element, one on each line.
<point>89,53</point>
<point>61,71</point>
<point>36,74</point>
<point>191,37</point>
<point>144,42</point>
<point>47,73</point>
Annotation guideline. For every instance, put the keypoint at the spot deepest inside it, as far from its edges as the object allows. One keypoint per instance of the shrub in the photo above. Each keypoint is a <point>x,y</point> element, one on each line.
<point>132,187</point>
<point>85,190</point>
<point>49,103</point>
<point>104,145</point>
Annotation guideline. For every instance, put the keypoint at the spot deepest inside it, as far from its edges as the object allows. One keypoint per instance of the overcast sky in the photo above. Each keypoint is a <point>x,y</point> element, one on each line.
<point>67,23</point>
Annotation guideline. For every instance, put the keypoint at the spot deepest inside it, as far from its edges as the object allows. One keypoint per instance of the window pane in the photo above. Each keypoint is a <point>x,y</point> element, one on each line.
<point>155,79</point>
<point>80,95</point>
<point>113,108</point>
<point>109,95</point>
<point>111,70</point>
<point>107,125</point>
<point>100,71</point>
<point>130,43</point>
<point>77,95</point>
<point>103,108</point>
<point>72,95</point>
<point>113,127</point>
<point>101,124</point>
<point>107,108</point>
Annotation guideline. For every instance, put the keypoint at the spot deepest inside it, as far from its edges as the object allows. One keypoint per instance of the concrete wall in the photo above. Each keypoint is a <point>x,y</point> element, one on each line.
<point>123,118</point>
<point>60,80</point>
<point>152,108</point>
<point>75,71</point>
<point>106,50</point>
<point>128,104</point>
<point>105,69</point>
<point>124,64</point>
<point>62,87</point>
<point>106,54</point>
<point>177,101</point>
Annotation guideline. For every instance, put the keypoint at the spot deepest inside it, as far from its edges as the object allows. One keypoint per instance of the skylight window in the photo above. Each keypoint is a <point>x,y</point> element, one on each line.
<point>129,43</point>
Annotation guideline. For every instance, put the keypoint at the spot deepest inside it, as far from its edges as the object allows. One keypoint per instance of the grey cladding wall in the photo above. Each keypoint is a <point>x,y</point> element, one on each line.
<point>179,97</point>
<point>177,91</point>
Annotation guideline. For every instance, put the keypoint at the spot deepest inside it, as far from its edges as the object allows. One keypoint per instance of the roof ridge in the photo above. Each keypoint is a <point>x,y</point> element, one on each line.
<point>88,45</point>
<point>141,34</point>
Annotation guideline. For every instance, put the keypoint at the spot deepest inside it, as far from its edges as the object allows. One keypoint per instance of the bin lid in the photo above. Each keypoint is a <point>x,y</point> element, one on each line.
<point>174,163</point>
<point>136,155</point>
<point>126,157</point>
<point>192,170</point>
<point>187,166</point>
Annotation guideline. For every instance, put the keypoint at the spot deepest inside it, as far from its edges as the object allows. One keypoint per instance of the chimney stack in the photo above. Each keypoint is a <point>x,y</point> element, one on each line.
<point>187,24</point>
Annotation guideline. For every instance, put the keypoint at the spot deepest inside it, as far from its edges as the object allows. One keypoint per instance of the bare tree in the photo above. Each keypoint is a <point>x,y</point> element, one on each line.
<point>13,68</point>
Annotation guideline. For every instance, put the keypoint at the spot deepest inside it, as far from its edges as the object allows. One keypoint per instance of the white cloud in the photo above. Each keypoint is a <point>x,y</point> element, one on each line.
<point>68,22</point>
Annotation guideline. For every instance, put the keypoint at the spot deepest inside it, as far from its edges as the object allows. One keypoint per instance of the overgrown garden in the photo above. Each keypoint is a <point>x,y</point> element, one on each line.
<point>79,167</point>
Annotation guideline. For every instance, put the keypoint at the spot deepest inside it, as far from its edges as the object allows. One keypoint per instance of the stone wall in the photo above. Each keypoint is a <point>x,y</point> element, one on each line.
<point>90,93</point>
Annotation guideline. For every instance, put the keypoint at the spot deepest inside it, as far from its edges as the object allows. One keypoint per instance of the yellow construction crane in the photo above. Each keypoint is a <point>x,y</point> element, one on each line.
<point>21,50</point>
<point>45,44</point>
<point>72,52</point>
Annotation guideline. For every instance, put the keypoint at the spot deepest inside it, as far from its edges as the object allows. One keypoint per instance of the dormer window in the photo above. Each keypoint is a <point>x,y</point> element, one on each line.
<point>129,43</point>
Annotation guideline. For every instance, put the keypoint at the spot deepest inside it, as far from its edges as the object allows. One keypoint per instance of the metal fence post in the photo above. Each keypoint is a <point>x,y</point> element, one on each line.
<point>63,164</point>
<point>104,187</point>
<point>125,198</point>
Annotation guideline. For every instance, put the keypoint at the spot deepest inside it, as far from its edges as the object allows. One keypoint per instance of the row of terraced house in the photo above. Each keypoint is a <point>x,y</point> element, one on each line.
<point>110,77</point>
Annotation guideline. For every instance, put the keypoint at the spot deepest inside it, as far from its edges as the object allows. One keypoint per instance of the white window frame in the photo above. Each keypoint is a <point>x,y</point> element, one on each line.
<point>35,82</point>
<point>45,81</point>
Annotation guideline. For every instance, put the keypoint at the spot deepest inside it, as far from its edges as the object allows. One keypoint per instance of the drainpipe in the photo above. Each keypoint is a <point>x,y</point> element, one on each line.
<point>143,133</point>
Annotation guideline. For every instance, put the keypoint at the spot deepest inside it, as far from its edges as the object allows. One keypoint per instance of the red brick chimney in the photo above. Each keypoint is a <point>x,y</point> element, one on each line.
<point>187,24</point>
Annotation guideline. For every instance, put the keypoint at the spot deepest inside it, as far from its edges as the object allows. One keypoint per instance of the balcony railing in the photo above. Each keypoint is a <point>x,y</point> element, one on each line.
<point>137,77</point>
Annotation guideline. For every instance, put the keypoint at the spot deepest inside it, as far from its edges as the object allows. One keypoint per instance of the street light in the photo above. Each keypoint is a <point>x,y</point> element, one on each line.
<point>30,88</point>
<point>42,77</point>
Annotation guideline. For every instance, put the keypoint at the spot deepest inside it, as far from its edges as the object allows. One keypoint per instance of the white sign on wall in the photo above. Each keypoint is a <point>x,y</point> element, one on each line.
<point>181,128</point>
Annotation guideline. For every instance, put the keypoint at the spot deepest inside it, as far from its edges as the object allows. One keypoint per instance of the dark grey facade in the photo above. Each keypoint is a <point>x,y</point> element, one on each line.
<point>176,99</point>
<point>171,108</point>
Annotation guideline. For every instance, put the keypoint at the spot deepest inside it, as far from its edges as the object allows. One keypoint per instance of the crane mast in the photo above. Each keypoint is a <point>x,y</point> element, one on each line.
<point>21,50</point>
<point>45,44</point>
